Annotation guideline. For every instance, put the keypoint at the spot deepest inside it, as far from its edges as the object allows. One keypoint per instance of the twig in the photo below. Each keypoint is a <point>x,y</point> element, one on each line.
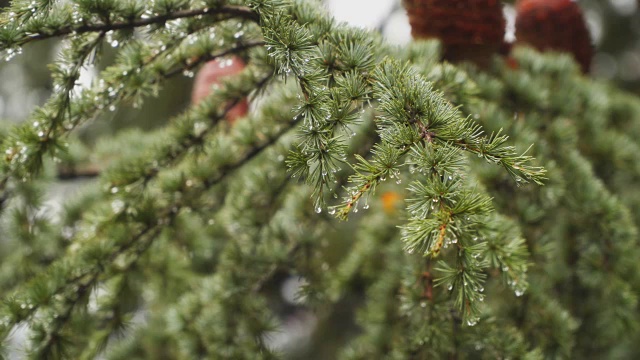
<point>236,11</point>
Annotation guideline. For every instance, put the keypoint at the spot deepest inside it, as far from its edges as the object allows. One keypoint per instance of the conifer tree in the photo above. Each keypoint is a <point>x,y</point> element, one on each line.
<point>400,187</point>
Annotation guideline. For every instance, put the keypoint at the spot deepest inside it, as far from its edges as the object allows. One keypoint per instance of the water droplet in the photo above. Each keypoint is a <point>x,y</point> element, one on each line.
<point>318,210</point>
<point>114,190</point>
<point>472,321</point>
<point>117,206</point>
<point>199,128</point>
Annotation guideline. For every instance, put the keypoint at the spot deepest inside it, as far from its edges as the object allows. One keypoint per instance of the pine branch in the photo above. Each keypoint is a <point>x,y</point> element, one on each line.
<point>31,163</point>
<point>162,217</point>
<point>229,10</point>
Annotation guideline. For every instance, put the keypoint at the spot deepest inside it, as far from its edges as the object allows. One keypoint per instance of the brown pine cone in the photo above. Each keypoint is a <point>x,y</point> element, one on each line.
<point>556,25</point>
<point>468,29</point>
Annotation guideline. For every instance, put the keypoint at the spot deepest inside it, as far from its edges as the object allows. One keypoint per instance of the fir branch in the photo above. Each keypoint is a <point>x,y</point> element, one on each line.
<point>111,322</point>
<point>238,282</point>
<point>25,148</point>
<point>49,329</point>
<point>34,160</point>
<point>409,118</point>
<point>175,150</point>
<point>369,174</point>
<point>73,113</point>
<point>229,10</point>
<point>163,217</point>
<point>241,47</point>
<point>506,251</point>
<point>326,104</point>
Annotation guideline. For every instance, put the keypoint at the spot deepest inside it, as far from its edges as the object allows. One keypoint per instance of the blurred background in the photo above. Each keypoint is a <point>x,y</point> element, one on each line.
<point>614,25</point>
<point>25,83</point>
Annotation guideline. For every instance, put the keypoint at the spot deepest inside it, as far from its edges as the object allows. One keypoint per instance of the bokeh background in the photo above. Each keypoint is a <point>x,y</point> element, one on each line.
<point>614,26</point>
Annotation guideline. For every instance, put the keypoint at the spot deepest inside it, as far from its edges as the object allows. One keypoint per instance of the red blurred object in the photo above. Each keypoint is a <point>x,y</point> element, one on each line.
<point>556,25</point>
<point>512,63</point>
<point>468,29</point>
<point>212,73</point>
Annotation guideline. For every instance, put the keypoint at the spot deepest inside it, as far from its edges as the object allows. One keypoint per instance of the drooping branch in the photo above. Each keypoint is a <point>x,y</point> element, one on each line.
<point>164,216</point>
<point>56,130</point>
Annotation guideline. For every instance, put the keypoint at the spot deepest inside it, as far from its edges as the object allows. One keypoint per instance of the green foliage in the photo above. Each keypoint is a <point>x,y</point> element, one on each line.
<point>191,224</point>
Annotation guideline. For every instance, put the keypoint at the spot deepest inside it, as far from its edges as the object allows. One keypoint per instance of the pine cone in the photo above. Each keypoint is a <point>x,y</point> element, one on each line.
<point>468,29</point>
<point>556,25</point>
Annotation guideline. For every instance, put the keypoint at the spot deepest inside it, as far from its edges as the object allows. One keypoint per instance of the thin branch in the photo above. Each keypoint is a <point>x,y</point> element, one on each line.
<point>70,174</point>
<point>200,60</point>
<point>344,212</point>
<point>191,141</point>
<point>169,212</point>
<point>87,285</point>
<point>235,11</point>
